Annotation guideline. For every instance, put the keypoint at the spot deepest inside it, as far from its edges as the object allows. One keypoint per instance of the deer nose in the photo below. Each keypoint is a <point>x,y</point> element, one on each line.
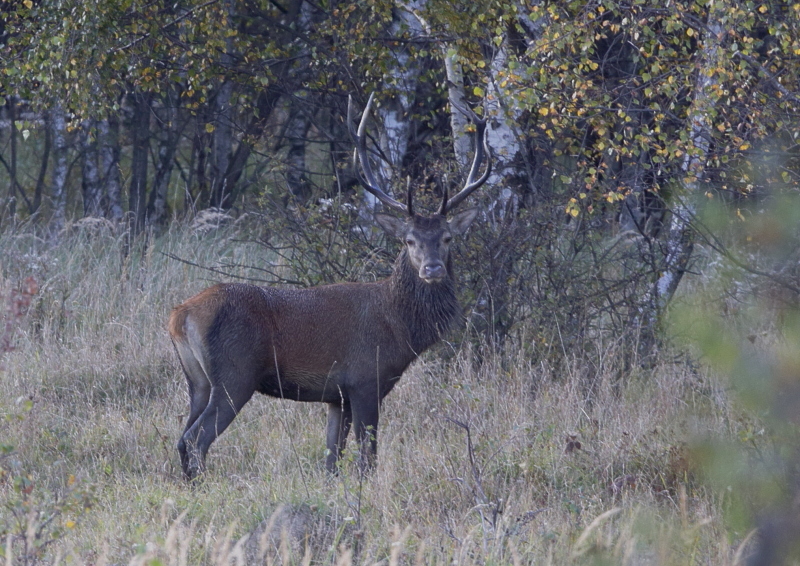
<point>432,272</point>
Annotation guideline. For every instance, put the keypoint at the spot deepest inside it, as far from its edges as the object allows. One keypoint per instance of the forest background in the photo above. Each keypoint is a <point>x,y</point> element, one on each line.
<point>631,289</point>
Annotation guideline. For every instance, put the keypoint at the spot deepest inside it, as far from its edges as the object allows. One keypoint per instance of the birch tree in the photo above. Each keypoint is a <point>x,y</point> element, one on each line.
<point>680,239</point>
<point>401,81</point>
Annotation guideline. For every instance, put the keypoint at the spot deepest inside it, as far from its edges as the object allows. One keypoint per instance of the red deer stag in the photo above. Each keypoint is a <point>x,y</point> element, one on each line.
<point>345,344</point>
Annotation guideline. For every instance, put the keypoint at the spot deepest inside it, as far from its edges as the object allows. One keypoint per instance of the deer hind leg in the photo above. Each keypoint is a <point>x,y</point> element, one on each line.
<point>223,406</point>
<point>199,391</point>
<point>340,417</point>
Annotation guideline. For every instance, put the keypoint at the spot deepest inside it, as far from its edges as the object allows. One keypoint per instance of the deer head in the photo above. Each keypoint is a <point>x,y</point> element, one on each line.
<point>427,238</point>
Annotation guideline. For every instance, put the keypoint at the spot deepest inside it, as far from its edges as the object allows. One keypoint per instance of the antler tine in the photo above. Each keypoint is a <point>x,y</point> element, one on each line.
<point>368,179</point>
<point>481,147</point>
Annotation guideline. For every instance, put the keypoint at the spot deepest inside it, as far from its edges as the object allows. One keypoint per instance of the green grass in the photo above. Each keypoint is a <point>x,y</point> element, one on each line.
<point>94,400</point>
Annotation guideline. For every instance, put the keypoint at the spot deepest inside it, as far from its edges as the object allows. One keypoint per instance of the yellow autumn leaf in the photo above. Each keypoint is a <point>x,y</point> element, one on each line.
<point>209,128</point>
<point>70,524</point>
<point>28,4</point>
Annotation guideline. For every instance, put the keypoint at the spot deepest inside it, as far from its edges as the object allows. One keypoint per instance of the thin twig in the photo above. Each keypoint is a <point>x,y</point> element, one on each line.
<point>172,23</point>
<point>233,275</point>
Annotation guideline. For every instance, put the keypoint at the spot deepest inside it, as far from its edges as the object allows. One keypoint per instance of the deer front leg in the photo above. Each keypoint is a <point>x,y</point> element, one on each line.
<point>365,418</point>
<point>340,418</point>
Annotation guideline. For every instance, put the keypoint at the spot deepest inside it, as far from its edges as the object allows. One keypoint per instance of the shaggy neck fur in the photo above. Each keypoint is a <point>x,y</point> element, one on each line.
<point>428,309</point>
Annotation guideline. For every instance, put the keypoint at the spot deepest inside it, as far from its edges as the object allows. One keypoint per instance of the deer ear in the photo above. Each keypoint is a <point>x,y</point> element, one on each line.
<point>392,225</point>
<point>461,221</point>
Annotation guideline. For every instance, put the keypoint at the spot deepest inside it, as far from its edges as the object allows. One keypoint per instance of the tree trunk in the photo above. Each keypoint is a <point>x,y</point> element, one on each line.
<point>92,205</point>
<point>11,203</point>
<point>502,136</point>
<point>222,145</point>
<point>295,134</point>
<point>680,239</point>
<point>58,194</point>
<point>167,148</point>
<point>255,128</point>
<point>462,144</point>
<point>40,179</point>
<point>200,145</point>
<point>108,131</point>
<point>140,132</point>
<point>395,127</point>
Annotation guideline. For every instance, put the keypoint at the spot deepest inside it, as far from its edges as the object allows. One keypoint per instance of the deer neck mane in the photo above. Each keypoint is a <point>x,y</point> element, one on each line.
<point>428,310</point>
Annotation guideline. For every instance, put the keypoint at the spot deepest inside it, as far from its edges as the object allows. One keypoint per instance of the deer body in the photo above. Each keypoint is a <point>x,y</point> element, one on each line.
<point>345,344</point>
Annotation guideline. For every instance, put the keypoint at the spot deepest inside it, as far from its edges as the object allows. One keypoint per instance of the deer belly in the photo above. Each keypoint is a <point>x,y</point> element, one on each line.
<point>299,385</point>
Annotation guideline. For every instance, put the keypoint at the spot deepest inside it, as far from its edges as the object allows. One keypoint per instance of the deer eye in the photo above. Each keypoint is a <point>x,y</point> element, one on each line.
<point>410,243</point>
<point>447,239</point>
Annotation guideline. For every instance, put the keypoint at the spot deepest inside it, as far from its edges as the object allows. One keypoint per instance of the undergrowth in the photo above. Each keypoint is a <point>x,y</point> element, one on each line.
<point>489,459</point>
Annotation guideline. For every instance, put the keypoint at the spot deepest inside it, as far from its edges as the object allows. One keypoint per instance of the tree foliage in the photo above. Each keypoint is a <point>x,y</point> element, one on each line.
<point>607,117</point>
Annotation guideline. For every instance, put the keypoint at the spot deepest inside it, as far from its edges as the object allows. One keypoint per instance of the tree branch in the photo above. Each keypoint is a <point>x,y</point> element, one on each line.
<point>179,19</point>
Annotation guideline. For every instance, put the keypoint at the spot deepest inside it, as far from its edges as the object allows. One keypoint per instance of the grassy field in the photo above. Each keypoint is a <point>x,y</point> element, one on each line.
<point>503,462</point>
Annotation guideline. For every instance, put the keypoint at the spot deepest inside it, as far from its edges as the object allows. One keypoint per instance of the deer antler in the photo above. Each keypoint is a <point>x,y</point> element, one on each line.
<point>481,147</point>
<point>368,179</point>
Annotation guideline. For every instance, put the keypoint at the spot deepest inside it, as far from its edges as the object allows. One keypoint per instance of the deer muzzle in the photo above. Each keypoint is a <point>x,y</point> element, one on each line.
<point>432,272</point>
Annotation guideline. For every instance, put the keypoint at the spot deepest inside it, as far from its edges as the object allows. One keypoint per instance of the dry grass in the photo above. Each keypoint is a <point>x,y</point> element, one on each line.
<point>498,463</point>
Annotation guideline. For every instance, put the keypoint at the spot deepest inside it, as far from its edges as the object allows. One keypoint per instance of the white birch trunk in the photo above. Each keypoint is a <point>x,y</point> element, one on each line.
<point>501,135</point>
<point>394,126</point>
<point>679,244</point>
